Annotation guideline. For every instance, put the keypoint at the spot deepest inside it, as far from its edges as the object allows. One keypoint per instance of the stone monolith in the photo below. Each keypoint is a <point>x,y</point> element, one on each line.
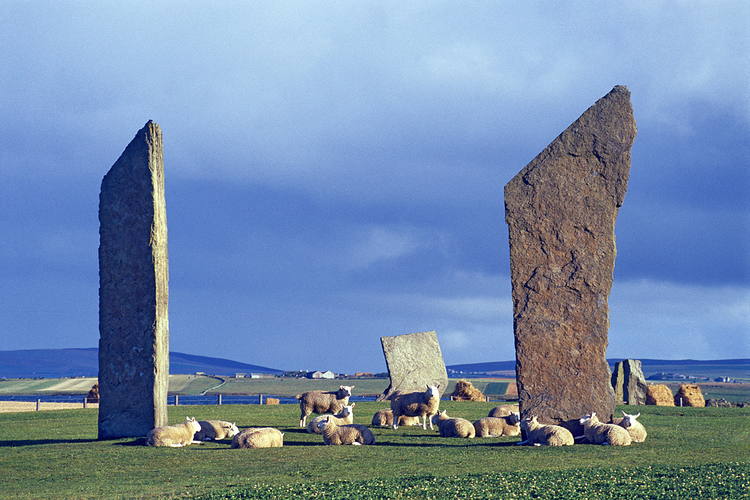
<point>414,361</point>
<point>133,296</point>
<point>629,383</point>
<point>560,210</point>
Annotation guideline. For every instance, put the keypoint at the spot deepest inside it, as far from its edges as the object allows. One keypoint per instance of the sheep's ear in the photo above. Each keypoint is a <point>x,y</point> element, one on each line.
<point>624,414</point>
<point>353,405</point>
<point>593,414</point>
<point>636,415</point>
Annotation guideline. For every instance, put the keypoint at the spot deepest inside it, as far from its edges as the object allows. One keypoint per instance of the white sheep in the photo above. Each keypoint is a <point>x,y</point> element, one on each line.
<point>634,427</point>
<point>345,416</point>
<point>323,402</point>
<point>503,411</point>
<point>498,426</point>
<point>453,427</point>
<point>384,418</point>
<point>215,430</point>
<point>416,404</point>
<point>542,434</point>
<point>354,434</point>
<point>596,432</point>
<point>259,437</point>
<point>174,436</point>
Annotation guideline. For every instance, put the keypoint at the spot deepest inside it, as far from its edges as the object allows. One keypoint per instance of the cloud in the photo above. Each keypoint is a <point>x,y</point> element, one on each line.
<point>376,244</point>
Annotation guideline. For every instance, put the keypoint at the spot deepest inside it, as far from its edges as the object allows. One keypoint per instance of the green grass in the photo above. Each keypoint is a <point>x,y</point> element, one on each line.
<point>54,454</point>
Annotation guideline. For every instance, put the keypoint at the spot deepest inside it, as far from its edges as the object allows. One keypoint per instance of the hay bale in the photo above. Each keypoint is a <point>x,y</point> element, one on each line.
<point>465,391</point>
<point>272,401</point>
<point>691,395</point>
<point>659,395</point>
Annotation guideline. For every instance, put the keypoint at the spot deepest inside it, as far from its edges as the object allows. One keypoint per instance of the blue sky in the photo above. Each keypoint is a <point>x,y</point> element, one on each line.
<point>334,171</point>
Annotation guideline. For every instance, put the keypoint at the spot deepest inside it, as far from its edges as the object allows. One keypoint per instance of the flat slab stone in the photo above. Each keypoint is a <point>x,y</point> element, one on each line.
<point>629,383</point>
<point>560,210</point>
<point>414,361</point>
<point>133,291</point>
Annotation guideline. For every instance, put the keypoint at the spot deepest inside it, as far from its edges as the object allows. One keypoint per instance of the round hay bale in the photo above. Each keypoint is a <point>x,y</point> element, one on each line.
<point>659,395</point>
<point>465,391</point>
<point>691,395</point>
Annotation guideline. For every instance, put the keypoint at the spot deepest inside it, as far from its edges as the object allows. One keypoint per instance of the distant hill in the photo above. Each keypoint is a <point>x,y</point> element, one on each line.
<point>736,368</point>
<point>54,363</point>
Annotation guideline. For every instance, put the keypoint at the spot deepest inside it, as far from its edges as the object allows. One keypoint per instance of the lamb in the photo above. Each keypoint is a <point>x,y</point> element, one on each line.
<point>174,436</point>
<point>346,416</point>
<point>634,427</point>
<point>259,437</point>
<point>502,411</point>
<point>498,426</point>
<point>215,430</point>
<point>453,427</point>
<point>384,418</point>
<point>542,434</point>
<point>595,432</point>
<point>323,402</point>
<point>416,404</point>
<point>334,434</point>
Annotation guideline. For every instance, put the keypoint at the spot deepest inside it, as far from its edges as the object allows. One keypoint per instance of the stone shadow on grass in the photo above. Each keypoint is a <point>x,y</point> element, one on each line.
<point>34,442</point>
<point>465,444</point>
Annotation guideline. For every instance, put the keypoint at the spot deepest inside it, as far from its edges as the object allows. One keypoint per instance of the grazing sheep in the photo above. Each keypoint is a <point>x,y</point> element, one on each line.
<point>344,434</point>
<point>259,437</point>
<point>596,432</point>
<point>416,404</point>
<point>634,427</point>
<point>453,427</point>
<point>215,430</point>
<point>498,426</point>
<point>503,411</point>
<point>323,402</point>
<point>542,434</point>
<point>174,436</point>
<point>384,418</point>
<point>345,416</point>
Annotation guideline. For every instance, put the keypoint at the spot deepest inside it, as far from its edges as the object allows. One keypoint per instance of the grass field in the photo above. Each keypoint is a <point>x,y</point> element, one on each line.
<point>690,453</point>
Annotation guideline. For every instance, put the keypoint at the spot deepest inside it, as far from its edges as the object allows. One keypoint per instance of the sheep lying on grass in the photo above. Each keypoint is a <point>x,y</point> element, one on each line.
<point>542,434</point>
<point>498,426</point>
<point>416,404</point>
<point>384,418</point>
<point>503,411</point>
<point>174,436</point>
<point>453,427</point>
<point>596,432</point>
<point>259,437</point>
<point>323,402</point>
<point>345,416</point>
<point>215,430</point>
<point>344,434</point>
<point>634,427</point>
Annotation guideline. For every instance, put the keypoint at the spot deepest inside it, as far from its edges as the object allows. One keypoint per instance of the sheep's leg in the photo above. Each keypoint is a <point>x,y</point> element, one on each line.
<point>356,443</point>
<point>522,443</point>
<point>303,420</point>
<point>395,421</point>
<point>175,445</point>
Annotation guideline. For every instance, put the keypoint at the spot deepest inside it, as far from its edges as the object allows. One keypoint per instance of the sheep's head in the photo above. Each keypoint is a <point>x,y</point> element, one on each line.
<point>433,391</point>
<point>589,419</point>
<point>629,420</point>
<point>347,410</point>
<point>231,429</point>
<point>323,422</point>
<point>345,390</point>
<point>527,423</point>
<point>193,424</point>
<point>514,418</point>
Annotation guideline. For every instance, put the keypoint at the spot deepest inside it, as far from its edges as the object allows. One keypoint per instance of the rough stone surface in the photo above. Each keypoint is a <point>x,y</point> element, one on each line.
<point>414,361</point>
<point>659,395</point>
<point>560,210</point>
<point>629,383</point>
<point>689,395</point>
<point>133,281</point>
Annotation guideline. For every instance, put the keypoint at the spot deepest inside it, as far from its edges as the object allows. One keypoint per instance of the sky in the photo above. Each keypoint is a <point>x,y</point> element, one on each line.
<point>334,170</point>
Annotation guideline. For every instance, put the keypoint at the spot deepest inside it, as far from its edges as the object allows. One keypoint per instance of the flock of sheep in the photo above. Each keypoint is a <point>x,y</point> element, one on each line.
<point>336,416</point>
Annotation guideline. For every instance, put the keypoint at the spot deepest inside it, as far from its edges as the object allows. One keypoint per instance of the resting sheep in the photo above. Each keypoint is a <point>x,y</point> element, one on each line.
<point>634,427</point>
<point>596,432</point>
<point>344,434</point>
<point>542,434</point>
<point>323,402</point>
<point>215,430</point>
<point>345,416</point>
<point>502,411</point>
<point>259,437</point>
<point>498,426</point>
<point>384,418</point>
<point>416,404</point>
<point>174,436</point>
<point>453,427</point>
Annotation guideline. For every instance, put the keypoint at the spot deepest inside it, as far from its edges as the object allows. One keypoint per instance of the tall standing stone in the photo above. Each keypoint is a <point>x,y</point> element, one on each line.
<point>629,383</point>
<point>414,361</point>
<point>133,291</point>
<point>561,211</point>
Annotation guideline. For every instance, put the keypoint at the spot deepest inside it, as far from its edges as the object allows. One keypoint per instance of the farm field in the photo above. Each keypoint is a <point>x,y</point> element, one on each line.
<point>691,452</point>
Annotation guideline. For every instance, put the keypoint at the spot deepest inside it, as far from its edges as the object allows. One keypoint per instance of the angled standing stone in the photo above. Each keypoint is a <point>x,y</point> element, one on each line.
<point>133,281</point>
<point>561,211</point>
<point>629,383</point>
<point>414,361</point>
